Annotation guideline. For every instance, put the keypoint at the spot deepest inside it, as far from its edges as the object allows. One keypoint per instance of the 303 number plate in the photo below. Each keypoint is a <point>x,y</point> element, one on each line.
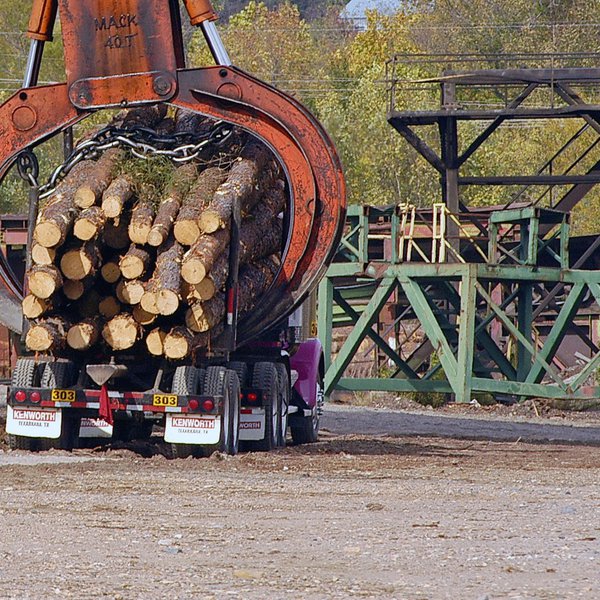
<point>63,396</point>
<point>164,400</point>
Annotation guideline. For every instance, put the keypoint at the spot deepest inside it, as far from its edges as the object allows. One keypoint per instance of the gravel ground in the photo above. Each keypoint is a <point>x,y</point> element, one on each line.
<point>353,516</point>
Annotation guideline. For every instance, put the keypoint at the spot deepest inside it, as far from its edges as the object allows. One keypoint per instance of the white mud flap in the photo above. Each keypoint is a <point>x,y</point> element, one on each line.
<point>192,429</point>
<point>95,428</point>
<point>34,422</point>
<point>252,424</point>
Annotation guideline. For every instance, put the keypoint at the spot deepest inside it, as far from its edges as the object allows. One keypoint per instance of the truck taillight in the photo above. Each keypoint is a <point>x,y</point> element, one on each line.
<point>193,404</point>
<point>35,397</point>
<point>208,405</point>
<point>20,396</point>
<point>252,397</point>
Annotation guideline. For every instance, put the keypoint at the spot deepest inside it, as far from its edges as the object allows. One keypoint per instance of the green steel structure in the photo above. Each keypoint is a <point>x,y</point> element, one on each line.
<point>479,310</point>
<point>487,301</point>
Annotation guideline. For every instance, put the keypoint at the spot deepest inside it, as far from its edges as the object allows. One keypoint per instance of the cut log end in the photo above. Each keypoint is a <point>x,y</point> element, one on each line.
<point>48,234</point>
<point>73,290</point>
<point>41,255</point>
<point>121,332</point>
<point>156,238</point>
<point>178,343</point>
<point>44,281</point>
<point>155,342</point>
<point>193,271</point>
<point>48,335</point>
<point>148,302</point>
<point>167,302</point>
<point>78,263</point>
<point>142,317</point>
<point>84,335</point>
<point>34,307</point>
<point>186,232</point>
<point>111,273</point>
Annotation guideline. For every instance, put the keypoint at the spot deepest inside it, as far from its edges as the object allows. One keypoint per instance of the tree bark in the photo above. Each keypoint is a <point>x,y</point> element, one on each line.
<point>49,335</point>
<point>135,263</point>
<point>204,341</point>
<point>140,225</point>
<point>201,317</point>
<point>142,116</point>
<point>84,335</point>
<point>44,281</point>
<point>254,280</point>
<point>89,224</point>
<point>167,276</point>
<point>121,332</point>
<point>169,208</point>
<point>81,262</point>
<point>114,198</point>
<point>116,234</point>
<point>100,177</point>
<point>242,186</point>
<point>58,213</point>
<point>201,257</point>
<point>186,228</point>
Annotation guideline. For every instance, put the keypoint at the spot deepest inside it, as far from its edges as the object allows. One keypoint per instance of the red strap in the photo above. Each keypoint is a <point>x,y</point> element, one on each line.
<point>105,409</point>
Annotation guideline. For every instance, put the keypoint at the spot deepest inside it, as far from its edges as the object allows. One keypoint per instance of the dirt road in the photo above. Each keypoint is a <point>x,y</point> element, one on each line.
<point>353,516</point>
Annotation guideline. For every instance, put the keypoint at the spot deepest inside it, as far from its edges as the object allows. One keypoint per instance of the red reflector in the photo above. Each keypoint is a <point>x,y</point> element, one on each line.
<point>20,396</point>
<point>35,397</point>
<point>252,396</point>
<point>208,405</point>
<point>193,404</point>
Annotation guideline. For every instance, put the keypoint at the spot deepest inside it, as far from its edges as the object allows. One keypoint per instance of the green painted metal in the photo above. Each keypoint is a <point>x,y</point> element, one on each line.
<point>379,341</point>
<point>557,333</point>
<point>457,313</point>
<point>358,334</point>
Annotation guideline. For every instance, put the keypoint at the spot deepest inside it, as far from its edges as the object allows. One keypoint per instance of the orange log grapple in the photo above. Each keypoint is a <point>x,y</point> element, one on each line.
<point>128,53</point>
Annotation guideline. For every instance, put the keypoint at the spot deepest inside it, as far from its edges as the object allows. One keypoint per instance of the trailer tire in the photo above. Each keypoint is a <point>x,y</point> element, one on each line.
<point>58,374</point>
<point>186,381</point>
<point>224,382</point>
<point>25,373</point>
<point>265,378</point>
<point>241,368</point>
<point>284,405</point>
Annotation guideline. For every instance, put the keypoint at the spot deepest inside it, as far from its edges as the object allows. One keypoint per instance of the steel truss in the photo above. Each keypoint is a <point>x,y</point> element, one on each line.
<point>480,318</point>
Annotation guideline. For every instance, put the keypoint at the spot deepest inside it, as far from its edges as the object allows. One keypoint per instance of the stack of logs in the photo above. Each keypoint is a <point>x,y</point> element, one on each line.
<point>113,270</point>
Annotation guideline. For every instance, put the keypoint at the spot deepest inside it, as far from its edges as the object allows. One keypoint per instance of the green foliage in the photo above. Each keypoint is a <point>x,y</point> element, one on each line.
<point>150,177</point>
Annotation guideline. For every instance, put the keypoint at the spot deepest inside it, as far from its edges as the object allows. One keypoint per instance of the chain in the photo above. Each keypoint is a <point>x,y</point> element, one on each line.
<point>142,142</point>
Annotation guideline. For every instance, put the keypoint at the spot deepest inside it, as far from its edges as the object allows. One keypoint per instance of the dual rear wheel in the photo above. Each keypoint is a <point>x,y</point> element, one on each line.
<point>214,381</point>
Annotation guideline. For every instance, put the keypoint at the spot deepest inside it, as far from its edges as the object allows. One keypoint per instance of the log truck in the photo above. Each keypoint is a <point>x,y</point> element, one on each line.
<point>263,377</point>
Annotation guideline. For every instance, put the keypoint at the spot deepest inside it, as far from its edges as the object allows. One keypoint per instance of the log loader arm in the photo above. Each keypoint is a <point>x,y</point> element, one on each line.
<point>127,53</point>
